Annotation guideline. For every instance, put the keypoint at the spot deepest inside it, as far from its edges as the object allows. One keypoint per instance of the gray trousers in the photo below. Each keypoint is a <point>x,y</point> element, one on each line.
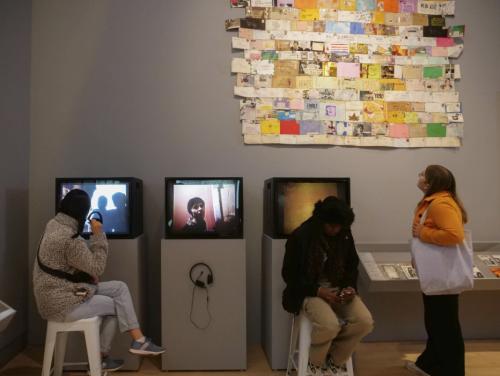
<point>112,301</point>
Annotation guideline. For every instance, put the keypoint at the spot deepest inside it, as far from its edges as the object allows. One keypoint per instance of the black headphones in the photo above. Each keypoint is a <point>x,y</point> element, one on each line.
<point>95,215</point>
<point>198,282</point>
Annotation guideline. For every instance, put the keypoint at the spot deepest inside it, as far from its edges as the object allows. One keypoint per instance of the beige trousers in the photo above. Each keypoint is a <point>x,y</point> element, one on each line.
<point>331,336</point>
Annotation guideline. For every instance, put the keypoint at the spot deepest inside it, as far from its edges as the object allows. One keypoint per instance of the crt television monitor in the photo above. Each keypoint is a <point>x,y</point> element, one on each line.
<point>288,202</point>
<point>204,208</point>
<point>118,200</point>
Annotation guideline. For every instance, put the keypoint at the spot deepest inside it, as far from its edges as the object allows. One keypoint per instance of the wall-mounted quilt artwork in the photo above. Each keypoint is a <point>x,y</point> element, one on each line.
<point>376,73</point>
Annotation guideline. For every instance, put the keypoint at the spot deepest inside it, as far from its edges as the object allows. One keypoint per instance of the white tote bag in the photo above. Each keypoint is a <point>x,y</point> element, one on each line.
<point>443,270</point>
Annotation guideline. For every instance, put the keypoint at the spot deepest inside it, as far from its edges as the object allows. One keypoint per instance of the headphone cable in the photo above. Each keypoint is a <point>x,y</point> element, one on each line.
<point>208,311</point>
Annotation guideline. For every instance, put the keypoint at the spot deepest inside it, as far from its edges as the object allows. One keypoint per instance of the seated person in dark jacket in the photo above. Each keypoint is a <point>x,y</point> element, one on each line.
<point>320,270</point>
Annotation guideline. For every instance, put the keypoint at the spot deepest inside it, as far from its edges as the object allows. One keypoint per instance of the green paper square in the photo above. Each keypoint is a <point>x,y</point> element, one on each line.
<point>433,72</point>
<point>436,130</point>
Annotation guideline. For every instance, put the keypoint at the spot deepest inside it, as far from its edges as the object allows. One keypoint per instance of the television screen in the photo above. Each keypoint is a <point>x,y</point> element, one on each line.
<point>204,207</point>
<point>290,201</point>
<point>114,199</point>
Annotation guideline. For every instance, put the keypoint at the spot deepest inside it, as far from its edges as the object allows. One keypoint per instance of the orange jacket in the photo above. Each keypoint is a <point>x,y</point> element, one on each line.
<point>443,224</point>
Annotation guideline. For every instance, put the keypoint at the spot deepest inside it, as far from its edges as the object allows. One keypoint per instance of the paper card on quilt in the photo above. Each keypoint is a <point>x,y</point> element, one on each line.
<point>417,130</point>
<point>455,51</point>
<point>408,6</point>
<point>435,107</point>
<point>306,4</point>
<point>453,107</point>
<point>455,130</point>
<point>456,31</point>
<point>326,14</point>
<point>270,126</point>
<point>436,130</point>
<point>399,131</point>
<point>252,139</point>
<point>309,14</point>
<point>263,67</point>
<point>436,7</point>
<point>366,5</point>
<point>250,127</point>
<point>439,117</point>
<point>286,67</point>
<point>411,117</point>
<point>455,117</point>
<point>284,3</point>
<point>303,82</point>
<point>348,70</point>
<point>239,65</point>
<point>328,4</point>
<point>278,25</point>
<point>262,3</point>
<point>240,43</point>
<point>240,3</point>
<point>347,5</point>
<point>374,111</point>
<point>332,111</point>
<point>245,33</point>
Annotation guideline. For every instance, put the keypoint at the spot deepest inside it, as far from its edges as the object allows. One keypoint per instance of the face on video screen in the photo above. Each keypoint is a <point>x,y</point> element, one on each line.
<point>296,201</point>
<point>111,200</point>
<point>204,207</point>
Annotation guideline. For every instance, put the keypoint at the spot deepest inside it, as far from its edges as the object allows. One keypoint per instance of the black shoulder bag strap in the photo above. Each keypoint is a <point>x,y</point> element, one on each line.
<point>78,277</point>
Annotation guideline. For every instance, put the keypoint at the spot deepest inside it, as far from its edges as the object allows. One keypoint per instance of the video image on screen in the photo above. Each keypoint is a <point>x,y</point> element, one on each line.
<point>296,201</point>
<point>204,207</point>
<point>111,200</point>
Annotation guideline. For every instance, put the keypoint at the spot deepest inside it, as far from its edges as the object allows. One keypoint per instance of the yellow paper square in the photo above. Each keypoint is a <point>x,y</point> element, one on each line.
<point>309,14</point>
<point>395,117</point>
<point>270,126</point>
<point>347,5</point>
<point>374,71</point>
<point>411,117</point>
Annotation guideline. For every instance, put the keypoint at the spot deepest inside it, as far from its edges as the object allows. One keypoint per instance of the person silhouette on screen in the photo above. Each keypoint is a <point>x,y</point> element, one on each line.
<point>196,222</point>
<point>118,217</point>
<point>102,203</point>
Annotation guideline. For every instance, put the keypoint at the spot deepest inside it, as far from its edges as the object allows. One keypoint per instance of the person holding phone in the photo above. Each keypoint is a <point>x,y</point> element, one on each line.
<point>66,279</point>
<point>320,269</point>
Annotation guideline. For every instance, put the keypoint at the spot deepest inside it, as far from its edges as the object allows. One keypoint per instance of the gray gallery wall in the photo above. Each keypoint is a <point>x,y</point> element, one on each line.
<point>143,88</point>
<point>15,36</point>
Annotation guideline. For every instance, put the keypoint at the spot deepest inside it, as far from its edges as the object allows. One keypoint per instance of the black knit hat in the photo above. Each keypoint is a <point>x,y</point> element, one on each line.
<point>334,211</point>
<point>76,204</point>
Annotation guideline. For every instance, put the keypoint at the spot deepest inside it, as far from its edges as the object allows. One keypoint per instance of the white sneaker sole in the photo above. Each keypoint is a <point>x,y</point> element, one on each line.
<point>144,352</point>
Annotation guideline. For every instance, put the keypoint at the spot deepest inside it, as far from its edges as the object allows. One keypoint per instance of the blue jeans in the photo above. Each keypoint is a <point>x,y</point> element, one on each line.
<point>112,301</point>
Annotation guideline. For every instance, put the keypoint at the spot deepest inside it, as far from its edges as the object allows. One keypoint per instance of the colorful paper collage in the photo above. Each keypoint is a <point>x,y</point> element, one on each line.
<point>367,73</point>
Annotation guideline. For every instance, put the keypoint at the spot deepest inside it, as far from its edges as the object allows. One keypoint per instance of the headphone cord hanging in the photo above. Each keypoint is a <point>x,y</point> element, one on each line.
<point>208,310</point>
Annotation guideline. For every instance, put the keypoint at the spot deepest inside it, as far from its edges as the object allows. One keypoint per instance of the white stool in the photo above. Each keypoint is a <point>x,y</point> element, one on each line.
<point>57,335</point>
<point>301,332</point>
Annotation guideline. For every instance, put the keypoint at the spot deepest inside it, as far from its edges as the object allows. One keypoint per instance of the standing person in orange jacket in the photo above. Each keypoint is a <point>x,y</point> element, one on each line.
<point>444,217</point>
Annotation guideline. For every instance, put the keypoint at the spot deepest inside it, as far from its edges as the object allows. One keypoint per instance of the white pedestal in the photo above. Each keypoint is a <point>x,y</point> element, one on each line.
<point>221,346</point>
<point>276,322</point>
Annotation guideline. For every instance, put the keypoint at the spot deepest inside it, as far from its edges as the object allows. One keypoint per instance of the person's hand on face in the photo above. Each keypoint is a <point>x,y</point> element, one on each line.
<point>198,211</point>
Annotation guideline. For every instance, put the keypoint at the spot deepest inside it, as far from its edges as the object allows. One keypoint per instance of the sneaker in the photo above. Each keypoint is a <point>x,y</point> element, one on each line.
<point>146,348</point>
<point>110,365</point>
<point>313,370</point>
<point>411,366</point>
<point>336,370</point>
